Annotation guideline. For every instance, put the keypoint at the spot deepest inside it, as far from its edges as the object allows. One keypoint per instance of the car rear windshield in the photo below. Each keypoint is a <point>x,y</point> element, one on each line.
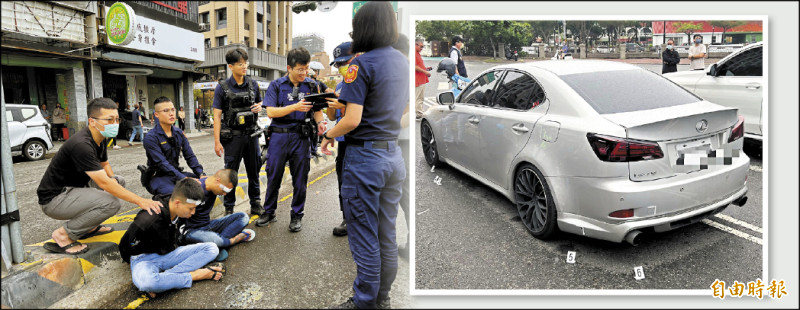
<point>627,90</point>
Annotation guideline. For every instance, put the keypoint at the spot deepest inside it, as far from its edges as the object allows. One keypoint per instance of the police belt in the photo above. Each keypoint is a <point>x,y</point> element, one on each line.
<point>375,144</point>
<point>294,129</point>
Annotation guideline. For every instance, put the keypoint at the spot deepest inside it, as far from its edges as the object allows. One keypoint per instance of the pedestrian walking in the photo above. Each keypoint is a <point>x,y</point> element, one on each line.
<point>376,92</point>
<point>421,75</point>
<point>670,58</point>
<point>697,54</point>
<point>136,123</point>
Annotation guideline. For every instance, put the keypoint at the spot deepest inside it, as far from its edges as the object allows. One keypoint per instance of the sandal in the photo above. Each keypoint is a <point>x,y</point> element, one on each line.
<point>96,232</point>
<point>53,247</point>
<point>216,264</point>
<point>250,234</point>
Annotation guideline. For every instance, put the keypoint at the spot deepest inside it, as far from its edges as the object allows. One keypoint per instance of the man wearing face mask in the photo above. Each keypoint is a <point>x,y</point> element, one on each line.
<point>79,185</point>
<point>697,54</point>
<point>670,58</point>
<point>225,231</point>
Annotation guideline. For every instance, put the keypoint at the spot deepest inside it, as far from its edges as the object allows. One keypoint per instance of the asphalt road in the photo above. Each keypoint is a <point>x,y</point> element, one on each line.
<point>468,236</point>
<point>279,269</point>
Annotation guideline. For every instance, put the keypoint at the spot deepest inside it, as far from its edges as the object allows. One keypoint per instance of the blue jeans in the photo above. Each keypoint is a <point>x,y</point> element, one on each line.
<point>219,231</point>
<point>372,184</point>
<point>133,133</point>
<point>158,273</point>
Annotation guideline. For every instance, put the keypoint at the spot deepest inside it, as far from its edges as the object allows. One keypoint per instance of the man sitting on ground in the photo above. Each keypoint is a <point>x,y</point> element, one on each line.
<point>151,246</point>
<point>82,161</point>
<point>163,145</point>
<point>225,231</point>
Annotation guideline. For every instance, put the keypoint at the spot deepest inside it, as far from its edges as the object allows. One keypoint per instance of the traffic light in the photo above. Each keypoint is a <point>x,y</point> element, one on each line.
<point>304,6</point>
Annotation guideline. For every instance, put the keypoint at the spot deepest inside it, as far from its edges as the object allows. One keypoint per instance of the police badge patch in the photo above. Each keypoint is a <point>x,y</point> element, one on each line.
<point>351,74</point>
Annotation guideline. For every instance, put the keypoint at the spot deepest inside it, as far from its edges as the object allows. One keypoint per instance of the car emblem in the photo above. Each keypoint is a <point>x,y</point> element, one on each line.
<point>701,126</point>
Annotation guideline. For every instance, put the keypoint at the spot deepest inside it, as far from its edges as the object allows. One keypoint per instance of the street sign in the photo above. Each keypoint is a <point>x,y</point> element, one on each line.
<point>358,4</point>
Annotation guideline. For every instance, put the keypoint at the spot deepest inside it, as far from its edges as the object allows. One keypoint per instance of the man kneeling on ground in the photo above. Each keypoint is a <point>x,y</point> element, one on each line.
<point>151,246</point>
<point>79,185</point>
<point>225,231</point>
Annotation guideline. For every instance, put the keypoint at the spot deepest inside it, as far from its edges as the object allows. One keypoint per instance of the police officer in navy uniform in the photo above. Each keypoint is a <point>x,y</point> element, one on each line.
<point>458,56</point>
<point>237,142</point>
<point>164,145</point>
<point>376,90</point>
<point>290,136</point>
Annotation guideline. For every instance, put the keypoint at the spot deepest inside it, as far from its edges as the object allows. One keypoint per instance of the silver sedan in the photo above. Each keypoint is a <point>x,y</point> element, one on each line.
<point>596,148</point>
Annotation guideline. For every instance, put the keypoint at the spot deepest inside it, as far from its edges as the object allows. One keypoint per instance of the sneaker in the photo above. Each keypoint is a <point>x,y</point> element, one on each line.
<point>349,304</point>
<point>223,255</point>
<point>117,147</point>
<point>340,230</point>
<point>265,219</point>
<point>386,303</point>
<point>228,210</point>
<point>296,224</point>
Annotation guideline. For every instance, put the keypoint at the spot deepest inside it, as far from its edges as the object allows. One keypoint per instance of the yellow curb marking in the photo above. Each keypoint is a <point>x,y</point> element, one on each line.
<point>31,263</point>
<point>134,304</point>
<point>113,236</point>
<point>86,265</point>
<point>254,217</point>
<point>120,219</point>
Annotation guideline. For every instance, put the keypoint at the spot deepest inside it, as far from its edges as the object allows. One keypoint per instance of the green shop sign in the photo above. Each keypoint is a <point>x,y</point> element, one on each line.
<point>120,24</point>
<point>358,4</point>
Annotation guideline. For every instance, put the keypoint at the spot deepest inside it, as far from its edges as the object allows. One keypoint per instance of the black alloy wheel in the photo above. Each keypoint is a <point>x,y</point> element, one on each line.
<point>429,144</point>
<point>534,202</point>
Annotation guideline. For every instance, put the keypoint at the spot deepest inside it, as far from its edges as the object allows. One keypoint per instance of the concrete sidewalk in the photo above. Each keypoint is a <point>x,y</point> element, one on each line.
<point>124,142</point>
<point>48,280</point>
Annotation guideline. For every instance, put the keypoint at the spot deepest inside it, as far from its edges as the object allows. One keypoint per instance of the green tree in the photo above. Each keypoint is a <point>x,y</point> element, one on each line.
<point>726,25</point>
<point>688,28</point>
<point>439,30</point>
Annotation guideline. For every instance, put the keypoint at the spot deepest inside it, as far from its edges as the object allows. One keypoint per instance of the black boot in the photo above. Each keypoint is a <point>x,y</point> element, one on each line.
<point>256,208</point>
<point>228,210</point>
<point>340,230</point>
<point>296,224</point>
<point>265,219</point>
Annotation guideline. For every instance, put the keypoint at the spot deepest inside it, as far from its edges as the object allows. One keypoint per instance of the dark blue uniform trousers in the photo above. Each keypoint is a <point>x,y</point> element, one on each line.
<point>247,148</point>
<point>164,184</point>
<point>371,189</point>
<point>293,148</point>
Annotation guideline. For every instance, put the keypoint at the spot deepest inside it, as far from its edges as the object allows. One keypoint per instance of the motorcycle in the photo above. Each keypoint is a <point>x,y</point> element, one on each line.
<point>510,55</point>
<point>456,82</point>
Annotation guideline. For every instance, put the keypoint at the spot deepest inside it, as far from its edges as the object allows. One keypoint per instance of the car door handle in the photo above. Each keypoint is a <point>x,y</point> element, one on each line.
<point>474,119</point>
<point>520,128</point>
<point>752,86</point>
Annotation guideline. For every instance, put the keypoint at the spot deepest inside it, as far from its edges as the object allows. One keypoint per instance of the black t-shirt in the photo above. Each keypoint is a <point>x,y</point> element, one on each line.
<point>68,168</point>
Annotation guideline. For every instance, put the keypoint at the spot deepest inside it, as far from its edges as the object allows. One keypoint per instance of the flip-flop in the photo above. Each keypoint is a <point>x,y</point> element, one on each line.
<point>95,232</point>
<point>251,234</point>
<point>53,247</point>
<point>217,264</point>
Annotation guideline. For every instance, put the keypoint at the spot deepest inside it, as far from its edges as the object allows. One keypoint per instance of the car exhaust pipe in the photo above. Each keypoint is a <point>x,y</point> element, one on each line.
<point>633,237</point>
<point>740,201</point>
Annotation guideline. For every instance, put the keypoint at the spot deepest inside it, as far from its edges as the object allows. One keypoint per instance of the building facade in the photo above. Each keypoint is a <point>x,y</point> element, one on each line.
<point>312,42</point>
<point>750,32</point>
<point>75,51</point>
<point>262,28</point>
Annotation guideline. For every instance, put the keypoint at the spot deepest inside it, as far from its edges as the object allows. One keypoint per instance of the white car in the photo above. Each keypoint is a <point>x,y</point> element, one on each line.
<point>577,149</point>
<point>28,131</point>
<point>735,81</point>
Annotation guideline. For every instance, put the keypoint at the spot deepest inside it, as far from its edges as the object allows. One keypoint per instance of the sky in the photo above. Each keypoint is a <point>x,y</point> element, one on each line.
<point>333,26</point>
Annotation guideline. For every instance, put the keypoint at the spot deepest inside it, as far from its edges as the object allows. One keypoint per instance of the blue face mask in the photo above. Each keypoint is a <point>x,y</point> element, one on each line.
<point>669,46</point>
<point>697,41</point>
<point>111,130</point>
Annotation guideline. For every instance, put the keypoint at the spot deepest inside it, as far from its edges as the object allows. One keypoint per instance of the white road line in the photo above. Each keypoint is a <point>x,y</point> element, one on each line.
<point>426,210</point>
<point>740,223</point>
<point>732,231</point>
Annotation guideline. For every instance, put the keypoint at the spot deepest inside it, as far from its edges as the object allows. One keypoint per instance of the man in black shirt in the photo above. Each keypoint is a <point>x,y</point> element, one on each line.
<point>63,192</point>
<point>670,58</point>
<point>150,245</point>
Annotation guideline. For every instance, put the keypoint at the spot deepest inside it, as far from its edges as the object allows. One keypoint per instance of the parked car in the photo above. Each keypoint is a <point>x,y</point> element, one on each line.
<point>634,48</point>
<point>577,150</point>
<point>735,81</point>
<point>28,131</point>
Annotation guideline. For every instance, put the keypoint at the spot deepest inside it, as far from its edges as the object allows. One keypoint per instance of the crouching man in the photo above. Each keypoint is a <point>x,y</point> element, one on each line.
<point>225,231</point>
<point>151,246</point>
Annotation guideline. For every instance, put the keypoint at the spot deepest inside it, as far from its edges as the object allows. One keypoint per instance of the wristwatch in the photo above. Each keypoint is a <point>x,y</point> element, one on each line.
<point>325,135</point>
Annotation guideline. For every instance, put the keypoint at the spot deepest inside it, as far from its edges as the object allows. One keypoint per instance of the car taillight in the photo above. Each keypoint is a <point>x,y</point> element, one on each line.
<point>616,149</point>
<point>622,213</point>
<point>738,130</point>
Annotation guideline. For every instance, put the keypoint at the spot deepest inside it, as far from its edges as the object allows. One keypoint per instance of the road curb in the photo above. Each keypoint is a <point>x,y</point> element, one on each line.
<point>91,279</point>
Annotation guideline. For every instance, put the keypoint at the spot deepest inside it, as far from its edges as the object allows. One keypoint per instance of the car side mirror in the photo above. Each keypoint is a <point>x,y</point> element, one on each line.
<point>447,98</point>
<point>712,71</point>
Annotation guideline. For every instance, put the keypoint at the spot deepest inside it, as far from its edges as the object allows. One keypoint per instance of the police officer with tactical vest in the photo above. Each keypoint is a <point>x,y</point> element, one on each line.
<point>237,102</point>
<point>293,127</point>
